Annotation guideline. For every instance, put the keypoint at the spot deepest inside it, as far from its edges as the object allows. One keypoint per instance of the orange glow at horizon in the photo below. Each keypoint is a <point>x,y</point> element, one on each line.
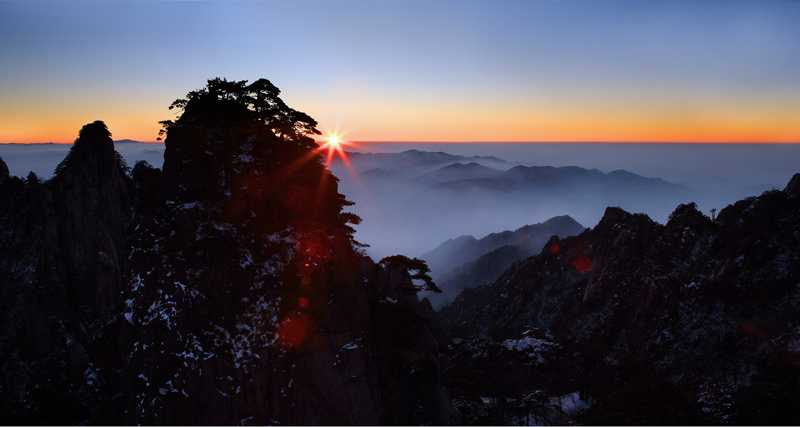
<point>589,129</point>
<point>577,114</point>
<point>400,124</point>
<point>556,132</point>
<point>63,129</point>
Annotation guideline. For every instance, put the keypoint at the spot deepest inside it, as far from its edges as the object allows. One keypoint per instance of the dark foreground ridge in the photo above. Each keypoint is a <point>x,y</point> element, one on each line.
<point>228,289</point>
<point>633,322</point>
<point>225,289</point>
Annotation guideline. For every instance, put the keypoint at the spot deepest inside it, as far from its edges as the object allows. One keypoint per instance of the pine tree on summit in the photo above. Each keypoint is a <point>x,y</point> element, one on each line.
<point>259,102</point>
<point>252,122</point>
<point>408,265</point>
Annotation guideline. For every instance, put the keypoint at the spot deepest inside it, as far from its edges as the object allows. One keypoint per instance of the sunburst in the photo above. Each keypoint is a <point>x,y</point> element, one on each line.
<point>334,147</point>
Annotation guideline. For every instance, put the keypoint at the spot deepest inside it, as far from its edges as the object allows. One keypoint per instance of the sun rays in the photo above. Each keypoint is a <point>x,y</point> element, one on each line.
<point>334,147</point>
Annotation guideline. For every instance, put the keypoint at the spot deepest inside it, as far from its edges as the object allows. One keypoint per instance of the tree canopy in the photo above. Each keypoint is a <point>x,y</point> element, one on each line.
<point>420,271</point>
<point>259,103</point>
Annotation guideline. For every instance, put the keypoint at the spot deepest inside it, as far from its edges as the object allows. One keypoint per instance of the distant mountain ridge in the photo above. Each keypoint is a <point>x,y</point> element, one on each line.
<point>469,248</point>
<point>466,262</point>
<point>547,178</point>
<point>414,197</point>
<point>457,171</point>
<point>417,161</point>
<point>691,322</point>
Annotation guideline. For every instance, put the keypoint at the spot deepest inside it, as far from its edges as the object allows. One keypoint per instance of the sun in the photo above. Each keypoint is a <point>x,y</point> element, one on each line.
<point>334,146</point>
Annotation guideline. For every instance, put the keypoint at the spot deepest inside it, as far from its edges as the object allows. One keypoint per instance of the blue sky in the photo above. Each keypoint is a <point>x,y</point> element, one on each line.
<point>414,70</point>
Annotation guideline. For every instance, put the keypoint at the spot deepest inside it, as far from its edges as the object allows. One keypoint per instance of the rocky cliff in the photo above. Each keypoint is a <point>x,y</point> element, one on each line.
<point>467,262</point>
<point>225,289</point>
<point>691,322</point>
<point>63,260</point>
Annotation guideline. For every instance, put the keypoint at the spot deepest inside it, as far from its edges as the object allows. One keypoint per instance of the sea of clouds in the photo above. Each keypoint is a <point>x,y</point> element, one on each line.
<point>396,222</point>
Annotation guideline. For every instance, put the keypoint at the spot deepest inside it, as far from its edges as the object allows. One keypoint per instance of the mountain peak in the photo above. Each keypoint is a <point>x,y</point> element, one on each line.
<point>4,174</point>
<point>687,215</point>
<point>92,154</point>
<point>612,216</point>
<point>793,187</point>
<point>467,262</point>
<point>561,221</point>
<point>241,269</point>
<point>702,306</point>
<point>90,194</point>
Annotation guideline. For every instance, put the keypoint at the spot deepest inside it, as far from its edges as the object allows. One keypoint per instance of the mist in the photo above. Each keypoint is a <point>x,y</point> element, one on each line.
<point>404,213</point>
<point>42,159</point>
<point>743,164</point>
<point>410,204</point>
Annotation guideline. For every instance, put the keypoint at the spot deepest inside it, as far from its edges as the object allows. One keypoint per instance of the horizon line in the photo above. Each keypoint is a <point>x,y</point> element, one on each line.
<point>569,142</point>
<point>128,140</point>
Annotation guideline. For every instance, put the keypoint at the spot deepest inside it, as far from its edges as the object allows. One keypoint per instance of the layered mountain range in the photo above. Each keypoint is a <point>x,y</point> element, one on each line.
<point>413,198</point>
<point>467,262</point>
<point>692,322</point>
<point>228,287</point>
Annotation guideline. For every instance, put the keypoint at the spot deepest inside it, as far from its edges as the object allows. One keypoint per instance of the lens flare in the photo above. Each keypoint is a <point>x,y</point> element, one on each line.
<point>334,146</point>
<point>583,265</point>
<point>293,330</point>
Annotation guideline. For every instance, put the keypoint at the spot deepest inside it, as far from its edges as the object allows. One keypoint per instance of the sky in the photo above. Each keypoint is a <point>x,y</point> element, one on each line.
<point>435,70</point>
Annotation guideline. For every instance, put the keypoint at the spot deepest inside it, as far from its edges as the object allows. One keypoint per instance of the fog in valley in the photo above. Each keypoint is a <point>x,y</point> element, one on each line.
<point>413,201</point>
<point>42,159</point>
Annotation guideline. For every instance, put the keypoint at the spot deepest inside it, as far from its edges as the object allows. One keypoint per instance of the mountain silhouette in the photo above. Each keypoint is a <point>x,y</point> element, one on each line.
<point>692,321</point>
<point>226,288</point>
<point>414,197</point>
<point>467,262</point>
<point>457,171</point>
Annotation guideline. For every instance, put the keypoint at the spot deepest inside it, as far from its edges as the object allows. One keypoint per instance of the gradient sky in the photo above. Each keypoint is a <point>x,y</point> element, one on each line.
<point>495,70</point>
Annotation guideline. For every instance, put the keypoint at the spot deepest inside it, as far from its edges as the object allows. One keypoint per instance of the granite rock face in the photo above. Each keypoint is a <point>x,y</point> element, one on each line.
<point>64,264</point>
<point>3,171</point>
<point>467,262</point>
<point>226,289</point>
<point>248,303</point>
<point>86,208</point>
<point>707,309</point>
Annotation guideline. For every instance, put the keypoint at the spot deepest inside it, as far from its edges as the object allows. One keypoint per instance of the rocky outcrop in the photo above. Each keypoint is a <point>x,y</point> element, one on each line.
<point>467,262</point>
<point>793,187</point>
<point>20,245</point>
<point>86,207</point>
<point>706,309</point>
<point>226,290</point>
<point>530,238</point>
<point>3,171</point>
<point>247,302</point>
<point>64,263</point>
